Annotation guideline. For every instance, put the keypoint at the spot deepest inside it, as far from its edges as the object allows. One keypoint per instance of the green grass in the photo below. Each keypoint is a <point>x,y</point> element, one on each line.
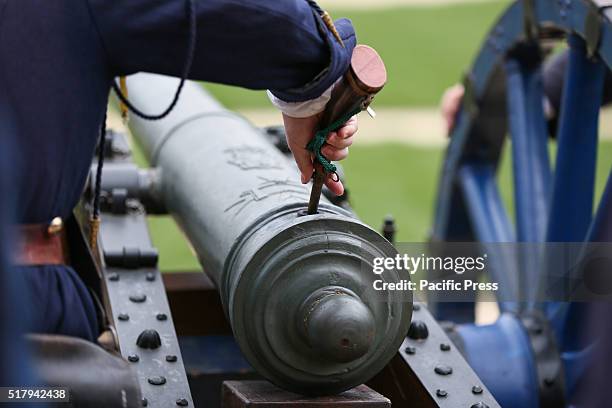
<point>425,49</point>
<point>404,184</point>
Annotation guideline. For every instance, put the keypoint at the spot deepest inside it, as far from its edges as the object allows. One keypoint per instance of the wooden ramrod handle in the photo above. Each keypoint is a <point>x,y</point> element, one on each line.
<point>365,77</point>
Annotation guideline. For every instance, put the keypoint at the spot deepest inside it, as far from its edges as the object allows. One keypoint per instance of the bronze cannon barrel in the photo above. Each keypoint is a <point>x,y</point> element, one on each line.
<point>297,289</point>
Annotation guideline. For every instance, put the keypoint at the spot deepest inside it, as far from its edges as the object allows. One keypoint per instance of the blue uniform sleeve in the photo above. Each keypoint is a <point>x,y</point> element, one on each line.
<point>257,44</point>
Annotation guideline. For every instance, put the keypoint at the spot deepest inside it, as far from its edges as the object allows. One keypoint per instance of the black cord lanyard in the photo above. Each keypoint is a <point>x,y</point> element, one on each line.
<point>95,219</point>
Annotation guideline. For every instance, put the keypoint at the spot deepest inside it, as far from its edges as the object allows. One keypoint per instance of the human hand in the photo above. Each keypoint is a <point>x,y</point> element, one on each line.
<point>301,130</point>
<point>449,106</point>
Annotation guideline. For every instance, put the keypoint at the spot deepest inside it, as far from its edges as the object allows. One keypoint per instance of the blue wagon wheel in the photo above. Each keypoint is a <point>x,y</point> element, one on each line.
<point>504,99</point>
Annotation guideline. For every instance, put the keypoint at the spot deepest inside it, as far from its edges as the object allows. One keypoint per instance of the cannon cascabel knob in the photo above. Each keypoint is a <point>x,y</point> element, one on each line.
<point>338,325</point>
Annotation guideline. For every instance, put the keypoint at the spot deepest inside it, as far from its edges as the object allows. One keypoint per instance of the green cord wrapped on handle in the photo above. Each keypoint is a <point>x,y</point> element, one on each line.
<point>320,137</point>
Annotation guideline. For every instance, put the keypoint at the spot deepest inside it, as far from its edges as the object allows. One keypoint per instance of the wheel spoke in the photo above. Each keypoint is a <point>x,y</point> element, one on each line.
<point>574,180</point>
<point>530,161</point>
<point>531,166</point>
<point>572,197</point>
<point>491,225</point>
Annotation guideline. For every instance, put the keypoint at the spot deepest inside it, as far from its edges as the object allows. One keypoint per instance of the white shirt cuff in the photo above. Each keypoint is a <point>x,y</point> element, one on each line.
<point>303,109</point>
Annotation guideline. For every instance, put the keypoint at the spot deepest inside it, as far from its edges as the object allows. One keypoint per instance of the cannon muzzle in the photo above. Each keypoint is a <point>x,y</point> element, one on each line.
<point>297,289</point>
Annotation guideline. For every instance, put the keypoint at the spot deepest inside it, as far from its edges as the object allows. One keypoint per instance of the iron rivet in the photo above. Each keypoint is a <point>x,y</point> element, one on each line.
<point>445,346</point>
<point>123,317</point>
<point>150,276</point>
<point>443,370</point>
<point>416,307</point>
<point>410,350</point>
<point>157,380</point>
<point>480,405</point>
<point>477,389</point>
<point>114,277</point>
<point>149,339</point>
<point>418,330</point>
<point>441,393</point>
<point>133,358</point>
<point>182,402</point>
<point>145,402</point>
<point>138,298</point>
<point>171,358</point>
<point>161,317</point>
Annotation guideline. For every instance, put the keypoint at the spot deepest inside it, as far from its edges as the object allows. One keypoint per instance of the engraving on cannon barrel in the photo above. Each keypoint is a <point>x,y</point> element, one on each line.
<point>269,187</point>
<point>251,158</point>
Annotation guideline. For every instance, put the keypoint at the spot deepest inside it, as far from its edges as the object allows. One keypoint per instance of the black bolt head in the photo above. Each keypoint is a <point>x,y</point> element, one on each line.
<point>149,339</point>
<point>138,298</point>
<point>445,347</point>
<point>113,277</point>
<point>416,307</point>
<point>182,402</point>
<point>161,317</point>
<point>441,393</point>
<point>123,317</point>
<point>418,330</point>
<point>171,358</point>
<point>477,389</point>
<point>479,405</point>
<point>133,358</point>
<point>157,380</point>
<point>443,370</point>
<point>410,350</point>
<point>150,276</point>
<point>145,402</point>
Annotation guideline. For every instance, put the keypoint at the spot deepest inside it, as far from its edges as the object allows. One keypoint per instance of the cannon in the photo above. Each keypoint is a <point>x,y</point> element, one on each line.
<point>296,288</point>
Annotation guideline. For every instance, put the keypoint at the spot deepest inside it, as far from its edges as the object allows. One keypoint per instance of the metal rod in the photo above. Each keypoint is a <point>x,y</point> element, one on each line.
<point>317,186</point>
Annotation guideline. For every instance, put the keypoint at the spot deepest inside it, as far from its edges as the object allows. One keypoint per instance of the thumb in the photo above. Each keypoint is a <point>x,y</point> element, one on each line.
<point>303,159</point>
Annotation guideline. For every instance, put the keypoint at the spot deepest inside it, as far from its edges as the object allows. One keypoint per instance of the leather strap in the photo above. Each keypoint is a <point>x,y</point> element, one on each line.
<point>38,246</point>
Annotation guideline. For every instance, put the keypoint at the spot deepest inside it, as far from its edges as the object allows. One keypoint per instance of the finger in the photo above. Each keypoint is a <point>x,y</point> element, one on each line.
<point>333,154</point>
<point>304,162</point>
<point>349,128</point>
<point>335,187</point>
<point>338,142</point>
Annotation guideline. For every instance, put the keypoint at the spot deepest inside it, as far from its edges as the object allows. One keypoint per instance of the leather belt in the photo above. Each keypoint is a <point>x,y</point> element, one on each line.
<point>42,244</point>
